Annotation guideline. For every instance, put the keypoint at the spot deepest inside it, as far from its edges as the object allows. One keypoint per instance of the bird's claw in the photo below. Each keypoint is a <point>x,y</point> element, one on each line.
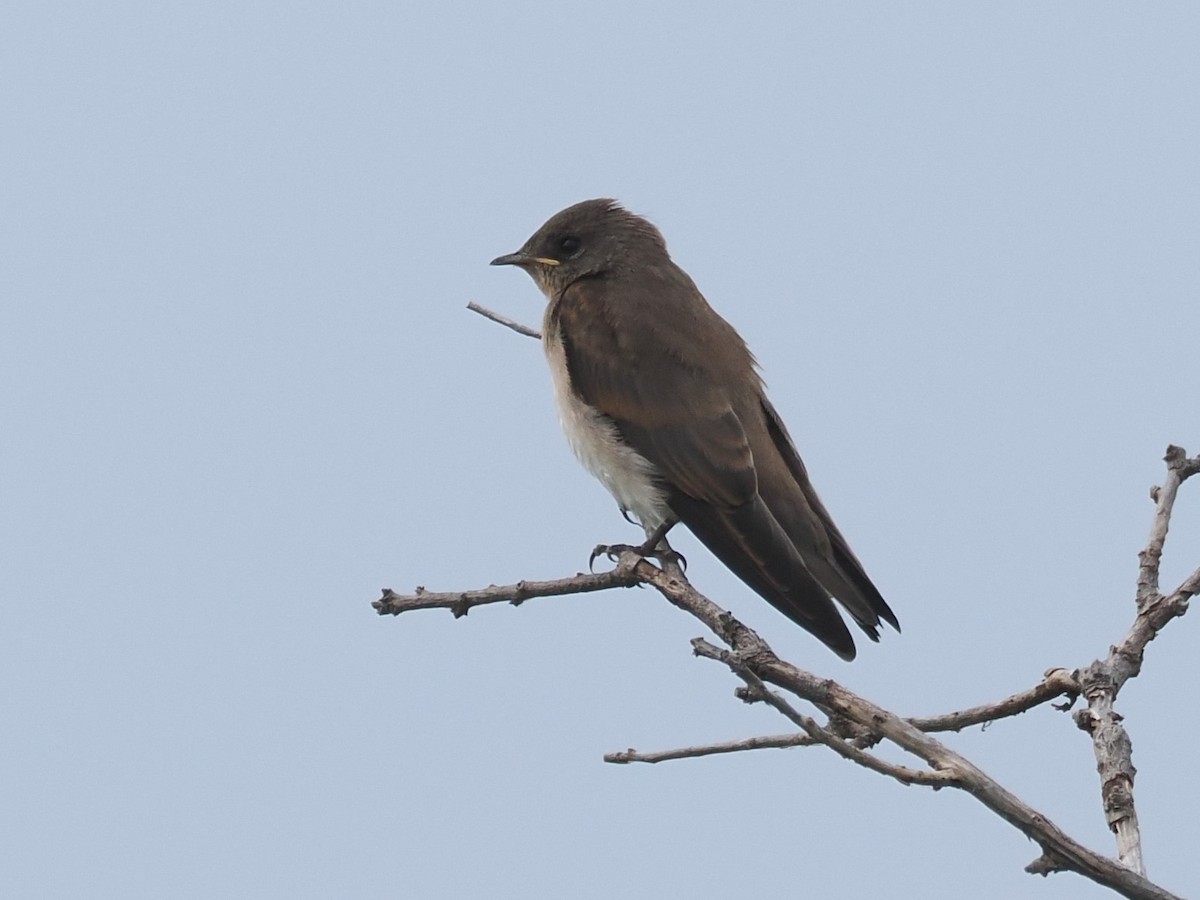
<point>674,556</point>
<point>612,551</point>
<point>665,554</point>
<point>661,551</point>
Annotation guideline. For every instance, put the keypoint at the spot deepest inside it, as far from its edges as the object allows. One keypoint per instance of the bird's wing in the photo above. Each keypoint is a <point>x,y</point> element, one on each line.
<point>814,533</point>
<point>673,402</point>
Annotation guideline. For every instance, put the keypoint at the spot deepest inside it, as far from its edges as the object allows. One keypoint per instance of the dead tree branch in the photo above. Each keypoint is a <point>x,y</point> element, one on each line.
<point>855,724</point>
<point>755,662</point>
<point>462,602</point>
<point>1102,680</point>
<point>767,742</point>
<point>1056,683</point>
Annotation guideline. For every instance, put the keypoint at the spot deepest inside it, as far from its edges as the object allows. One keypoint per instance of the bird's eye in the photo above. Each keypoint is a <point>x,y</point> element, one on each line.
<point>569,246</point>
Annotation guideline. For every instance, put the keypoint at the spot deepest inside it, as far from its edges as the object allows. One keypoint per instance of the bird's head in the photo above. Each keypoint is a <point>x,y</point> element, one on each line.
<point>587,240</point>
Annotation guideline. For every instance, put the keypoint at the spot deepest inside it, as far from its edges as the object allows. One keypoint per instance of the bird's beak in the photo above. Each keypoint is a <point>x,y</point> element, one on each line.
<point>522,260</point>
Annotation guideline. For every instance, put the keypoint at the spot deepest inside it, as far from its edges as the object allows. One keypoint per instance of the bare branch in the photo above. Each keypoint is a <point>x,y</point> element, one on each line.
<point>1103,679</point>
<point>1179,469</point>
<point>1056,683</point>
<point>768,742</point>
<point>1114,762</point>
<point>504,320</point>
<point>1188,588</point>
<point>856,723</point>
<point>757,657</point>
<point>758,692</point>
<point>461,602</point>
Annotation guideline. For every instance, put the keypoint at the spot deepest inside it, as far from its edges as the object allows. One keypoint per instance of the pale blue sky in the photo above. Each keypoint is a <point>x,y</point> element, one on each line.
<point>241,393</point>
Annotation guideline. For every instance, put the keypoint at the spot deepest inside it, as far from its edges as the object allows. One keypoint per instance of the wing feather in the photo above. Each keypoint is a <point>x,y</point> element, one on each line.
<point>688,413</point>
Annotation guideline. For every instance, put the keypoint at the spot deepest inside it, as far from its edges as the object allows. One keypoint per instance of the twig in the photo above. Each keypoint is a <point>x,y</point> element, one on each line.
<point>759,692</point>
<point>1056,683</point>
<point>768,742</point>
<point>504,320</point>
<point>461,602</point>
<point>1179,469</point>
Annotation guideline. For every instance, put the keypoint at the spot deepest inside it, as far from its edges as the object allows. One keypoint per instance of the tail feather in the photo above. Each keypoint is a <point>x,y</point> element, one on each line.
<point>818,538</point>
<point>751,543</point>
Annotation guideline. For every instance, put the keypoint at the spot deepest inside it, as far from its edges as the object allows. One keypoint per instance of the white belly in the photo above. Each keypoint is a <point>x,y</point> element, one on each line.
<point>626,473</point>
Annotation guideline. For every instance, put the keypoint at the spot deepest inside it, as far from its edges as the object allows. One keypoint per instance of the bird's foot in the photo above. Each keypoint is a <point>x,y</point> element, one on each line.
<point>654,548</point>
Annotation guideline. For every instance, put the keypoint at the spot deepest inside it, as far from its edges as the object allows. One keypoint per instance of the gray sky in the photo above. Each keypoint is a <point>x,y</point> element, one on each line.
<point>242,394</point>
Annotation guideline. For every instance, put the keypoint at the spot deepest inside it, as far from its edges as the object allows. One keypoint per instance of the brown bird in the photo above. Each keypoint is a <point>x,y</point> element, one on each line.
<point>662,401</point>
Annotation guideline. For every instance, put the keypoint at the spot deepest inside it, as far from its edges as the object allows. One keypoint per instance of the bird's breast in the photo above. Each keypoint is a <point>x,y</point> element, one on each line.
<point>597,442</point>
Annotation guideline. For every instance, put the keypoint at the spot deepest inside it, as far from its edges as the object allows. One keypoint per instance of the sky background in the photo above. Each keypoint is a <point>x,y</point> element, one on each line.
<point>241,393</point>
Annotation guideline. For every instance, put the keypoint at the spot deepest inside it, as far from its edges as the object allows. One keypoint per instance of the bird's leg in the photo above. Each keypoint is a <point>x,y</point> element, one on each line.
<point>655,546</point>
<point>657,538</point>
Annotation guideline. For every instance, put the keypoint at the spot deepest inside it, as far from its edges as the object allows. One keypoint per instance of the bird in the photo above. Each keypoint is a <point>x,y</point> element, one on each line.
<point>662,401</point>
